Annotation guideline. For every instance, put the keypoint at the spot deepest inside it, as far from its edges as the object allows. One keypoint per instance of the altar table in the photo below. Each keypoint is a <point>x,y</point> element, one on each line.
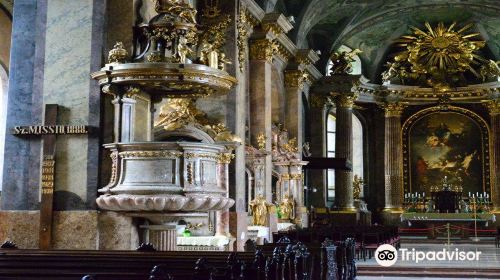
<point>461,224</point>
<point>203,243</point>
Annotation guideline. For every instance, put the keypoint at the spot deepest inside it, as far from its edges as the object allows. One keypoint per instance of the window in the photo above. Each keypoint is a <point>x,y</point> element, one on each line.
<point>357,149</point>
<point>356,65</point>
<point>330,140</point>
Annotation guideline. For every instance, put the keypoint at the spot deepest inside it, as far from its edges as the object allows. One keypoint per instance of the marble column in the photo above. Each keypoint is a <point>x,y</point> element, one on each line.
<point>343,149</point>
<point>295,81</point>
<point>317,178</point>
<point>494,111</point>
<point>261,55</point>
<point>393,159</point>
<point>21,170</point>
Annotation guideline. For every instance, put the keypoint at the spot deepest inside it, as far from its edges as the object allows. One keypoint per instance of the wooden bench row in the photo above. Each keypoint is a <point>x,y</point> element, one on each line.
<point>293,262</point>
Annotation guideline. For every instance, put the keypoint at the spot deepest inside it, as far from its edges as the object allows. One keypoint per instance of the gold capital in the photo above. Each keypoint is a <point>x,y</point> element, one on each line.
<point>393,109</point>
<point>493,106</point>
<point>344,100</point>
<point>296,78</point>
<point>263,49</point>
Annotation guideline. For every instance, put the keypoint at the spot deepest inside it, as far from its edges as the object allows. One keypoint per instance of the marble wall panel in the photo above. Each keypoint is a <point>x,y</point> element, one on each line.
<point>20,227</point>
<point>74,44</point>
<point>75,230</point>
<point>117,232</point>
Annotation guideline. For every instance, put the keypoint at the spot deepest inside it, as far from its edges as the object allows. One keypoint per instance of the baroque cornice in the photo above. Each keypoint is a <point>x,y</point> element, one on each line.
<point>418,95</point>
<point>276,23</point>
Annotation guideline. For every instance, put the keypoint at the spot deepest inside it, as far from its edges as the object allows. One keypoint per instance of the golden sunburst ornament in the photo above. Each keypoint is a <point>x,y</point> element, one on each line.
<point>439,56</point>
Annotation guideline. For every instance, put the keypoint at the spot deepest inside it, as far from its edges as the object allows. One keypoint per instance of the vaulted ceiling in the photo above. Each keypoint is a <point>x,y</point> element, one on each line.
<point>373,25</point>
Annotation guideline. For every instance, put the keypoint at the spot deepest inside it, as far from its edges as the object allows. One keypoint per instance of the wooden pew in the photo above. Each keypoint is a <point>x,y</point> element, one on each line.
<point>296,262</point>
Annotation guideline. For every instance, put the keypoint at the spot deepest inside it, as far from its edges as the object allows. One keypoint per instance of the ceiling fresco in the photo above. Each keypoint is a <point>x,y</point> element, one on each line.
<point>373,25</point>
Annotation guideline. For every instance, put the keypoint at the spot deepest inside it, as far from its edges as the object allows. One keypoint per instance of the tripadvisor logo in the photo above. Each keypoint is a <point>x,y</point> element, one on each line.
<point>386,255</point>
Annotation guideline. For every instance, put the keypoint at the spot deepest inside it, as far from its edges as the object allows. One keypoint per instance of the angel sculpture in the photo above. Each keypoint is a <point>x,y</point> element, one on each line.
<point>342,62</point>
<point>391,72</point>
<point>490,69</point>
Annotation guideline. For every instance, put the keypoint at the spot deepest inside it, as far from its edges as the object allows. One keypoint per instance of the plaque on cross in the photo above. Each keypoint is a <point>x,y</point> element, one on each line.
<point>48,131</point>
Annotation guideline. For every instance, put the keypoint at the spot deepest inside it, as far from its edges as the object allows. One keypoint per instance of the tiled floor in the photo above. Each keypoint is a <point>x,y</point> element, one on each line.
<point>489,257</point>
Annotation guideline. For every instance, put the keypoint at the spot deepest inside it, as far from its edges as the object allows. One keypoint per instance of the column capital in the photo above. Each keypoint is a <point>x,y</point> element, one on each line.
<point>319,101</point>
<point>263,49</point>
<point>344,100</point>
<point>493,106</point>
<point>393,109</point>
<point>296,78</point>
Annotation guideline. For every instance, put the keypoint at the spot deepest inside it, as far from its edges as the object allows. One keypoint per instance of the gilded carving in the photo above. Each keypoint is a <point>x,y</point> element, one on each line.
<point>394,109</point>
<point>202,155</point>
<point>263,49</point>
<point>320,101</point>
<point>284,149</point>
<point>296,78</point>
<point>356,186</point>
<point>438,57</point>
<point>261,141</point>
<point>114,169</point>
<point>225,158</point>
<point>149,154</point>
<point>177,113</point>
<point>272,27</point>
<point>342,62</point>
<point>344,100</point>
<point>242,40</point>
<point>118,54</point>
<point>260,208</point>
<point>490,70</point>
<point>287,207</point>
<point>493,106</point>
<point>213,38</point>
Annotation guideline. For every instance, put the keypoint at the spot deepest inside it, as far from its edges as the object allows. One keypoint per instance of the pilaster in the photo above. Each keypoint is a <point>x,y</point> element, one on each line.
<point>493,107</point>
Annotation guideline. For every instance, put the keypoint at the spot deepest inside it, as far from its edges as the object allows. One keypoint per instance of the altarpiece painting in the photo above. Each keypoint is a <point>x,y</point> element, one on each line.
<point>446,143</point>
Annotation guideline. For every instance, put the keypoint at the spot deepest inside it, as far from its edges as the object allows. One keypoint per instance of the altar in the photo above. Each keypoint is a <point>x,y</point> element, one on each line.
<point>436,225</point>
